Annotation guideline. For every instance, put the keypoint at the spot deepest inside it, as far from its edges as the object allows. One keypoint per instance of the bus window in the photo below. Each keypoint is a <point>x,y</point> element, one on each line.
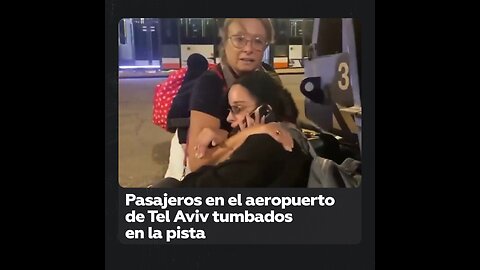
<point>126,44</point>
<point>197,35</point>
<point>307,31</point>
<point>170,44</point>
<point>295,43</point>
<point>146,40</point>
<point>280,47</point>
<point>122,34</point>
<point>170,31</point>
<point>329,37</point>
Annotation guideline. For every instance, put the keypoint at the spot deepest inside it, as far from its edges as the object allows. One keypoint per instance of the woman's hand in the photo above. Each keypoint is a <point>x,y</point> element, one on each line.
<point>281,135</point>
<point>206,137</point>
<point>250,122</point>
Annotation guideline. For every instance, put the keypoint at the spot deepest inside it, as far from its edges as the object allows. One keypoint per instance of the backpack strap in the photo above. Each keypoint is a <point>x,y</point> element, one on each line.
<point>218,70</point>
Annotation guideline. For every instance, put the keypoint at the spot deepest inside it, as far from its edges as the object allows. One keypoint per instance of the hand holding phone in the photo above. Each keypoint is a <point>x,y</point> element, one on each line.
<point>264,112</point>
<point>265,115</point>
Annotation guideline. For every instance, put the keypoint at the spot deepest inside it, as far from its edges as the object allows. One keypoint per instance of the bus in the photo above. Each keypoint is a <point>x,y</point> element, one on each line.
<point>163,44</point>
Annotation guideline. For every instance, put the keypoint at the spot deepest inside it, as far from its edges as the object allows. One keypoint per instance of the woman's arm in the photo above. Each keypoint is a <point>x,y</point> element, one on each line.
<point>198,122</point>
<point>225,149</point>
<point>259,162</point>
<point>208,104</point>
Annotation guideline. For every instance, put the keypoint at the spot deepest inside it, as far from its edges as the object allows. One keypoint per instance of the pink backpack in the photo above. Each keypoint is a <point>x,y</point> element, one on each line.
<point>164,94</point>
<point>166,91</point>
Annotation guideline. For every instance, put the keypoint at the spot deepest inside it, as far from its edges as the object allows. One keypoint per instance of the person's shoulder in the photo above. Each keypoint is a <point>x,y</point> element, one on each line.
<point>262,141</point>
<point>207,93</point>
<point>210,76</point>
<point>209,80</point>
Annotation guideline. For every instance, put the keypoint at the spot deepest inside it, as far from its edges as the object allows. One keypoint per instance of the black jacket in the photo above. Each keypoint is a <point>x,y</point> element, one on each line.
<point>259,162</point>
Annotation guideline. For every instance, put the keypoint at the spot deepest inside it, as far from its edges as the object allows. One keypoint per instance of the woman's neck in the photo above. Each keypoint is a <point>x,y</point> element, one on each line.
<point>229,74</point>
<point>234,73</point>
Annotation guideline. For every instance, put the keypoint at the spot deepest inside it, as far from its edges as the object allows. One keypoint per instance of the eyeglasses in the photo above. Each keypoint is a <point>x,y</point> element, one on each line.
<point>235,109</point>
<point>240,41</point>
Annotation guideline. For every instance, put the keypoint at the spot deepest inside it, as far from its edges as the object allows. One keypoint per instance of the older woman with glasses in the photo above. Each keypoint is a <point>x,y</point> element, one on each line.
<point>243,43</point>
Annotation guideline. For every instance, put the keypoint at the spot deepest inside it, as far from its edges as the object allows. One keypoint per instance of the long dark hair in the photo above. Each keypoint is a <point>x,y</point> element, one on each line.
<point>267,90</point>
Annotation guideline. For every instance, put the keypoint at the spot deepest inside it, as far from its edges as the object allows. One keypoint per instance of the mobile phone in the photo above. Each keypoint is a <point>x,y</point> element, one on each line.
<point>264,110</point>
